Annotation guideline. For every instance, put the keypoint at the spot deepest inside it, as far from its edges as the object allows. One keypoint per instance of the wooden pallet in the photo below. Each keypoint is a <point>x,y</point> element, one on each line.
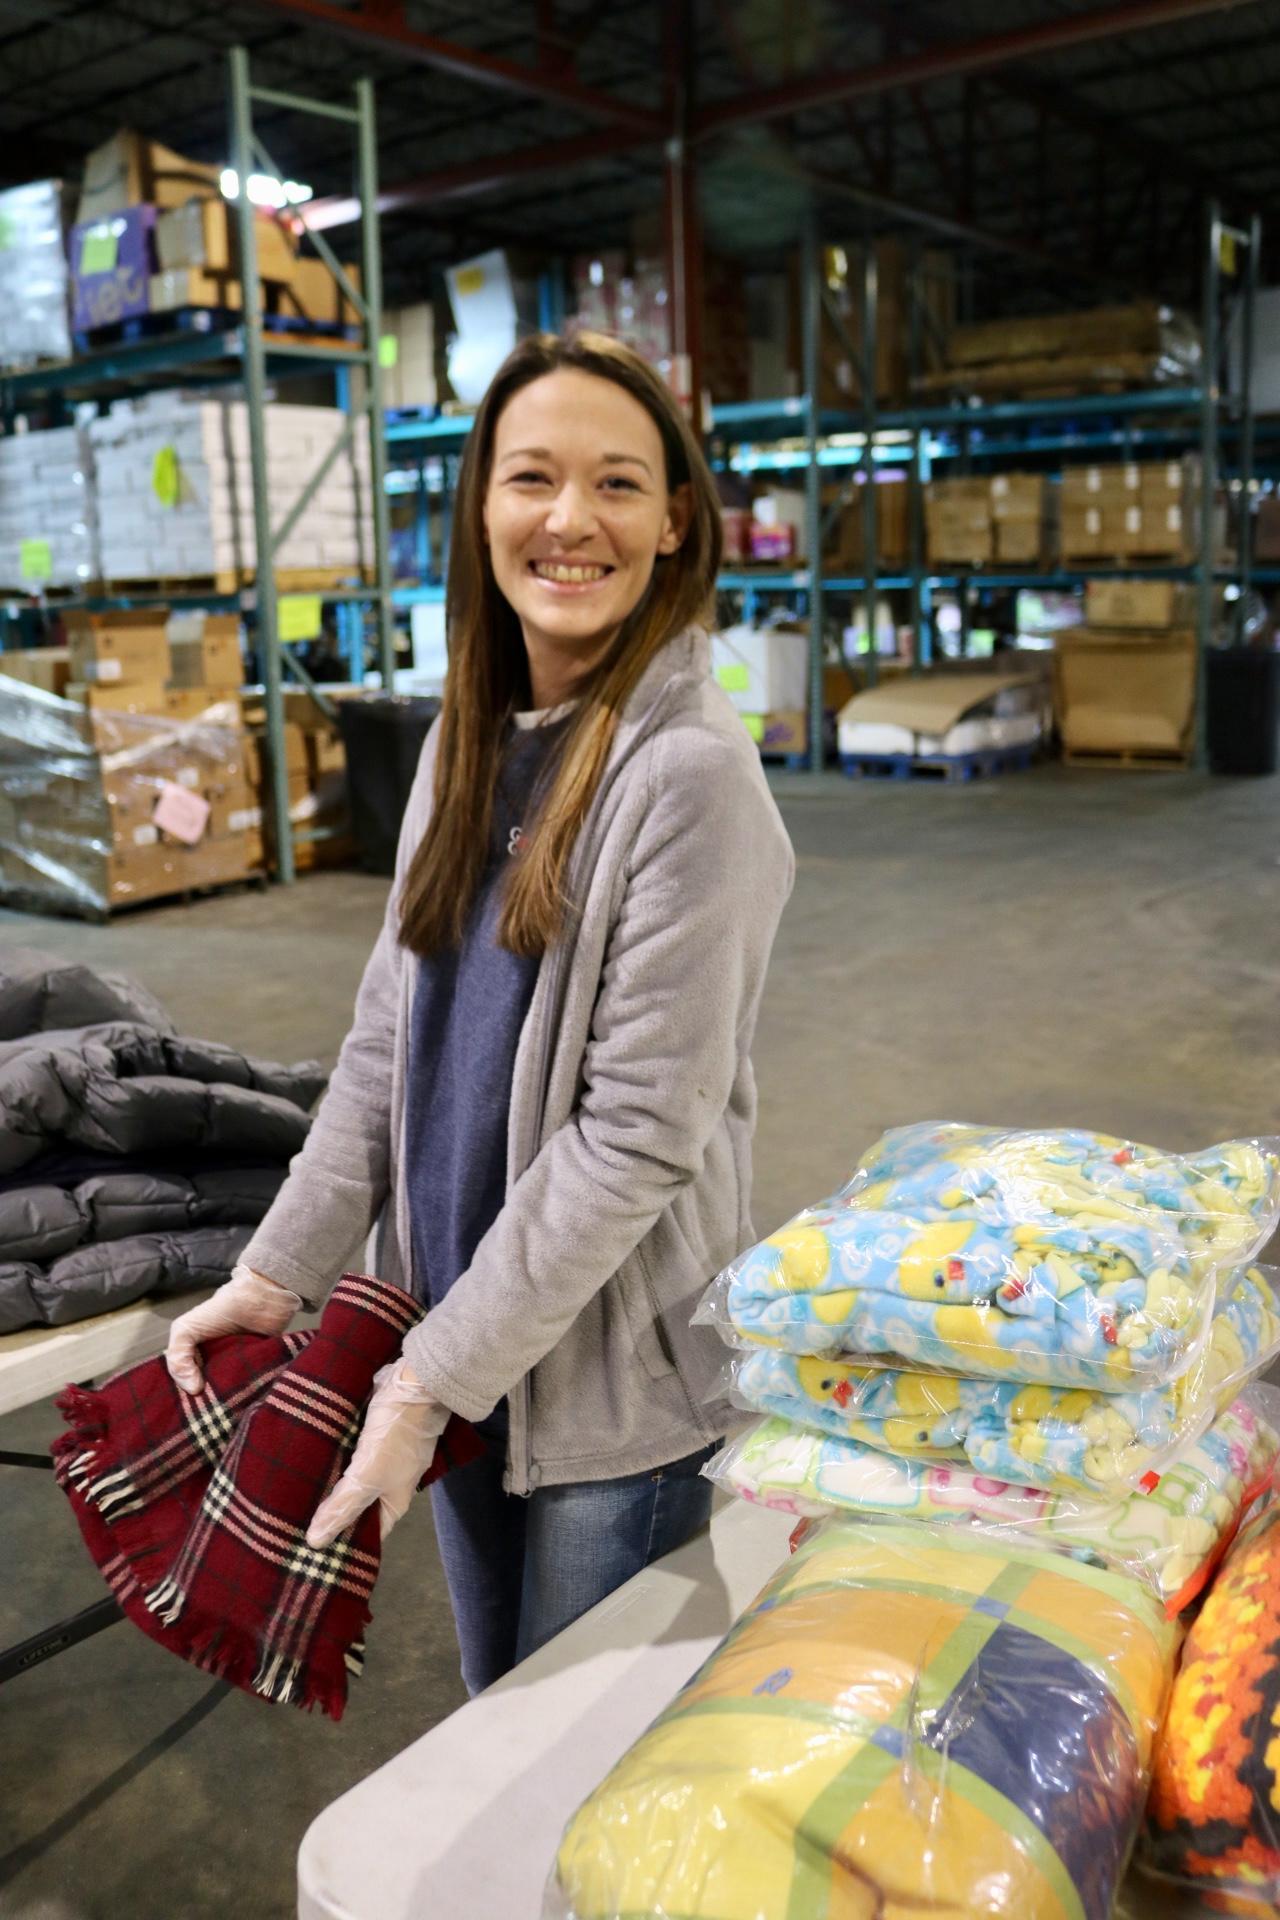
<point>1123,563</point>
<point>1127,760</point>
<point>233,580</point>
<point>951,768</point>
<point>290,328</point>
<point>1059,376</point>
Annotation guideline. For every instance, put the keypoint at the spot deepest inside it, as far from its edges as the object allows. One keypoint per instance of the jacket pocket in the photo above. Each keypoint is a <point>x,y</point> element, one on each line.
<point>640,1306</point>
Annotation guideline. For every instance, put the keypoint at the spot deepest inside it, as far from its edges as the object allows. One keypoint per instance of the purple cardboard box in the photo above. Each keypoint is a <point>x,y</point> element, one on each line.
<point>112,261</point>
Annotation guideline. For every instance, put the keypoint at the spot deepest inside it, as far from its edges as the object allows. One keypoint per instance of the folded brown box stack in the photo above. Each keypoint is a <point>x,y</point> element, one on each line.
<point>316,771</point>
<point>1107,348</point>
<point>198,261</point>
<point>87,782</point>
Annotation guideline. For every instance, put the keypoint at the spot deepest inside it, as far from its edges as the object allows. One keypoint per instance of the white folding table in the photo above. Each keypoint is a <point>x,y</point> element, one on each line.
<point>465,1823</point>
<point>40,1361</point>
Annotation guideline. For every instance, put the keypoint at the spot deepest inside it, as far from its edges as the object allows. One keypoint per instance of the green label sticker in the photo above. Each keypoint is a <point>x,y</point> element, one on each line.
<point>299,616</point>
<point>165,480</point>
<point>6,231</point>
<point>388,350</point>
<point>98,251</point>
<point>35,560</point>
<point>733,679</point>
<point>754,724</point>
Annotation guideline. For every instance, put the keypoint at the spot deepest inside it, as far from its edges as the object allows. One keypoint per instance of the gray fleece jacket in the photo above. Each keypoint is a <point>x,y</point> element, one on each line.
<point>632,1109</point>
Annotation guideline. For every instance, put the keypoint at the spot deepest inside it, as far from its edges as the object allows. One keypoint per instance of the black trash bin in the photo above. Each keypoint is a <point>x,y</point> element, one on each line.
<point>383,736</point>
<point>1242,709</point>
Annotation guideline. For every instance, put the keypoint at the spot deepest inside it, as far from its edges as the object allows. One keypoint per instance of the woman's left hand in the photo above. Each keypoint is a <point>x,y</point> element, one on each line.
<point>396,1446</point>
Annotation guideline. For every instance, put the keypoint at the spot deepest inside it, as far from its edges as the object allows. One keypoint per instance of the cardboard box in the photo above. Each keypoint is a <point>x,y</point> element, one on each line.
<point>112,262</point>
<point>410,380</point>
<point>1119,693</point>
<point>1142,327</point>
<point>256,763</point>
<point>1019,542</point>
<point>1138,603</point>
<point>128,169</point>
<point>1019,496</point>
<point>215,706</point>
<point>846,546</point>
<point>1266,528</point>
<point>233,807</point>
<point>1082,532</point>
<point>125,648</point>
<point>762,669</point>
<point>183,287</point>
<point>312,293</point>
<point>48,668</point>
<point>778,733</point>
<point>113,696</point>
<point>204,235</point>
<point>212,660</point>
<point>958,523</point>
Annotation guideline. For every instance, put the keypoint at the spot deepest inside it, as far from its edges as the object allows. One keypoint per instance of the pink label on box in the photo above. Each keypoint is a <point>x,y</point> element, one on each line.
<point>180,812</point>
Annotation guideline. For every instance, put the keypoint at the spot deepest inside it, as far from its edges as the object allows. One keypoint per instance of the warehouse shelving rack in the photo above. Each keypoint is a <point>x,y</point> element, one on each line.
<point>245,356</point>
<point>1206,417</point>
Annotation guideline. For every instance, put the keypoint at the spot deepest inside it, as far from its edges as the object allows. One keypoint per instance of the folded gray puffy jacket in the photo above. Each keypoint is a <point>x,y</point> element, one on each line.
<point>186,1142</point>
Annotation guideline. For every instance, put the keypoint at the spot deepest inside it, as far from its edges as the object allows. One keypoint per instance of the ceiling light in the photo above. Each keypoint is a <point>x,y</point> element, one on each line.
<point>265,190</point>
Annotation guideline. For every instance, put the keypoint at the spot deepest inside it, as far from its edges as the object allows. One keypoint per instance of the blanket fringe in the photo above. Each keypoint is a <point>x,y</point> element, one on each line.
<point>166,1601</point>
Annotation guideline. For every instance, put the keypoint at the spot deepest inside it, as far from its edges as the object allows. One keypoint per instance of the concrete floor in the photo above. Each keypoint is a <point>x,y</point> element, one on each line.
<point>1070,947</point>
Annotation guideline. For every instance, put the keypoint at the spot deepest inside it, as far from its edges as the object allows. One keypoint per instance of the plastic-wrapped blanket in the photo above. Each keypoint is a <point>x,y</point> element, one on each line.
<point>1171,1537</point>
<point>905,1722</point>
<point>1053,1437</point>
<point>1067,1260</point>
<point>1213,1819</point>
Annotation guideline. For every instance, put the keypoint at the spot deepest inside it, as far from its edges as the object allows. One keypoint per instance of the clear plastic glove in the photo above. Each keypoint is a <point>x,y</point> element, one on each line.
<point>247,1303</point>
<point>396,1446</point>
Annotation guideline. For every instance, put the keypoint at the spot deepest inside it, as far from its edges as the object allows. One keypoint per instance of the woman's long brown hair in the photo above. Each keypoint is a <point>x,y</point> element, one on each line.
<point>488,677</point>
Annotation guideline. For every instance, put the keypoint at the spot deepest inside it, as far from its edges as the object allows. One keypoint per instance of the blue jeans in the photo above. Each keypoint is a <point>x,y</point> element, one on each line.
<point>521,1569</point>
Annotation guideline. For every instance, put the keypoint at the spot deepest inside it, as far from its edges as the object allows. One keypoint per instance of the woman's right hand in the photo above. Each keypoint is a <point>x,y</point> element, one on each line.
<point>246,1303</point>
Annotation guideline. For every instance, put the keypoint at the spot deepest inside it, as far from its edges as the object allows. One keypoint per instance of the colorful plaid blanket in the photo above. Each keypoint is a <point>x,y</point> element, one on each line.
<point>195,1506</point>
<point>903,1723</point>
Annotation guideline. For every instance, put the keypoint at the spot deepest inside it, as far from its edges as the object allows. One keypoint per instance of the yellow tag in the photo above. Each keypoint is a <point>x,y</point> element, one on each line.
<point>1227,251</point>
<point>165,481</point>
<point>733,679</point>
<point>7,230</point>
<point>299,616</point>
<point>754,724</point>
<point>35,560</point>
<point>469,279</point>
<point>98,251</point>
<point>388,350</point>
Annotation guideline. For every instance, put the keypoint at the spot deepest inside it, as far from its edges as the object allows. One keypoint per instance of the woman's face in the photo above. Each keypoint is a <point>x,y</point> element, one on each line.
<point>577,511</point>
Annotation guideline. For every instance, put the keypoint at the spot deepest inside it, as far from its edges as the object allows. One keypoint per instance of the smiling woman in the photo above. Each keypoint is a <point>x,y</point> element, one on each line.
<point>546,1101</point>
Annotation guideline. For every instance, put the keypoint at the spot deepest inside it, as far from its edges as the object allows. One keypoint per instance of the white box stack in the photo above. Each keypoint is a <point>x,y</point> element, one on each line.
<point>175,488</point>
<point>33,276</point>
<point>48,510</point>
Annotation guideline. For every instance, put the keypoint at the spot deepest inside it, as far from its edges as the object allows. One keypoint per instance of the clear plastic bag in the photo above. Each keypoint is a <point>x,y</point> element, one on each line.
<point>1171,1537</point>
<point>1060,1259</point>
<point>1062,1439</point>
<point>907,1720</point>
<point>1213,1818</point>
<point>79,788</point>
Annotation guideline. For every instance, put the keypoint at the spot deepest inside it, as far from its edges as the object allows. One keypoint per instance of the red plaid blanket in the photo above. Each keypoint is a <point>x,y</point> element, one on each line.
<point>195,1506</point>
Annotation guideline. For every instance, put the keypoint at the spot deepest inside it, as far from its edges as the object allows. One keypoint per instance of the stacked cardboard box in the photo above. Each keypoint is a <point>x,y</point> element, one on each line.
<point>127,789</point>
<point>48,668</point>
<point>48,510</point>
<point>1057,353</point>
<point>33,276</point>
<point>175,489</point>
<point>1125,681</point>
<point>847,542</point>
<point>316,774</point>
<point>959,529</point>
<point>1009,519</point>
<point>1024,514</point>
<point>1147,510</point>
